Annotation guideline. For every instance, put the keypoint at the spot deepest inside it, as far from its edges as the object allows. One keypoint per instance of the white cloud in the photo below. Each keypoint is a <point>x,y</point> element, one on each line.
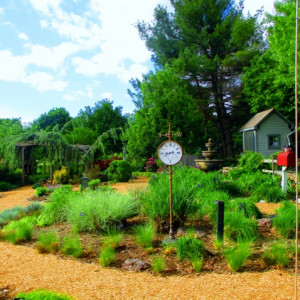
<point>44,23</point>
<point>1,10</point>
<point>46,6</point>
<point>45,82</point>
<point>106,95</point>
<point>23,36</point>
<point>77,95</point>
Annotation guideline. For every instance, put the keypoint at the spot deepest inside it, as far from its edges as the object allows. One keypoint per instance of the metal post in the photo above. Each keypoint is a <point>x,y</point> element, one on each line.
<point>220,221</point>
<point>171,233</point>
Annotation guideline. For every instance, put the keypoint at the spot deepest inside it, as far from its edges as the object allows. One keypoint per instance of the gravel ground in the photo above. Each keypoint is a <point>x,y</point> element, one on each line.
<point>24,269</point>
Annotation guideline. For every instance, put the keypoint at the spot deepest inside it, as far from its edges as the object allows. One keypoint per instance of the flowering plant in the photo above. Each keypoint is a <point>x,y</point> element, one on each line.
<point>151,165</point>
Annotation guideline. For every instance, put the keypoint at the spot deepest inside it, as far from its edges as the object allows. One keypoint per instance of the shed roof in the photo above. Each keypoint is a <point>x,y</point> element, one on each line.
<point>256,120</point>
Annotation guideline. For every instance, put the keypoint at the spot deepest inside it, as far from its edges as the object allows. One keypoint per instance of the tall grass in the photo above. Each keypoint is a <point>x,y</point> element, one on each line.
<point>244,205</point>
<point>236,256</point>
<point>158,264</point>
<point>100,210</point>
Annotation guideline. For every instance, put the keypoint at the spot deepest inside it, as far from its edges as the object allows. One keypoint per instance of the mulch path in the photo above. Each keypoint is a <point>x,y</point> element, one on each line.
<point>22,268</point>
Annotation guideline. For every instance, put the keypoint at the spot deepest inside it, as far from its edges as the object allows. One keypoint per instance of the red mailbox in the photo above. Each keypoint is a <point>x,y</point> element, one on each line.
<point>286,159</point>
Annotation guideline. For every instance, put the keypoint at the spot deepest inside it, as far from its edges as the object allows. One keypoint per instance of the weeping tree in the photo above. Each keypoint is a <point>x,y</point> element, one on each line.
<point>55,150</point>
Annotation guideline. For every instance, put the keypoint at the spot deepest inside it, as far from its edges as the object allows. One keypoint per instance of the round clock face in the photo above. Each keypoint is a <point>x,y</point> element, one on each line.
<point>170,153</point>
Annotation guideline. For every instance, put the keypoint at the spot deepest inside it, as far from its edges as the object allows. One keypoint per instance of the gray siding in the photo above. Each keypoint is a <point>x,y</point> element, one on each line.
<point>249,141</point>
<point>273,125</point>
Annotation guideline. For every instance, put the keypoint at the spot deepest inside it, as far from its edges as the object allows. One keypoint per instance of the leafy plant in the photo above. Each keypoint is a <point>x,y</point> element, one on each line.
<point>158,264</point>
<point>144,234</point>
<point>236,256</point>
<point>36,185</point>
<point>6,186</point>
<point>107,256</point>
<point>43,294</point>
<point>239,228</point>
<point>285,220</point>
<point>189,248</point>
<point>119,171</point>
<point>48,242</point>
<point>251,161</point>
<point>61,176</point>
<point>72,246</point>
<point>277,254</point>
<point>11,214</point>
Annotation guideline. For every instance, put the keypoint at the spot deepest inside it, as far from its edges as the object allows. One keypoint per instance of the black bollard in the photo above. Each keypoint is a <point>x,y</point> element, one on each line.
<point>220,227</point>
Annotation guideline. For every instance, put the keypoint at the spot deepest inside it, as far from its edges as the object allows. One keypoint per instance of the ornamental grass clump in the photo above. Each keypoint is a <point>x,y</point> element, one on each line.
<point>159,264</point>
<point>189,248</point>
<point>72,245</point>
<point>19,231</point>
<point>285,220</point>
<point>144,234</point>
<point>236,256</point>
<point>11,214</point>
<point>100,210</point>
<point>246,206</point>
<point>107,256</point>
<point>239,228</point>
<point>55,210</point>
<point>43,294</point>
<point>112,239</point>
<point>197,264</point>
<point>48,242</point>
<point>277,254</point>
<point>155,202</point>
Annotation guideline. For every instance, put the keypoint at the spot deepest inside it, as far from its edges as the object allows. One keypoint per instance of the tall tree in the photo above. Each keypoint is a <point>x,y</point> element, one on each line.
<point>55,118</point>
<point>206,43</point>
<point>269,80</point>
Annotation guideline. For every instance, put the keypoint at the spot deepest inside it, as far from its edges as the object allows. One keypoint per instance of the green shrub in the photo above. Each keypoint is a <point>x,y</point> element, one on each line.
<point>72,246</point>
<point>239,228</point>
<point>270,191</point>
<point>40,191</point>
<point>100,210</point>
<point>93,184</point>
<point>236,256</point>
<point>6,186</point>
<point>144,234</point>
<point>19,231</point>
<point>251,161</point>
<point>48,242</point>
<point>119,171</point>
<point>158,264</point>
<point>107,256</point>
<point>189,248</point>
<point>43,294</point>
<point>277,254</point>
<point>285,220</point>
<point>246,206</point>
<point>61,176</point>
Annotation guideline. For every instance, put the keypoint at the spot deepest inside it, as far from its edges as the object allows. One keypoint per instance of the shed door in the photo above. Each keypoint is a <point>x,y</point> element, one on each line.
<point>249,141</point>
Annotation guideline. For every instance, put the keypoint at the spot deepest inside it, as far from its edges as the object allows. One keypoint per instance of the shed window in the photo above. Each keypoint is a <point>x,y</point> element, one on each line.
<point>274,141</point>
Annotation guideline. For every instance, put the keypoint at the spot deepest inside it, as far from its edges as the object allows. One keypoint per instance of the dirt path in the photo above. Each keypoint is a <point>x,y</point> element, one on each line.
<point>23,269</point>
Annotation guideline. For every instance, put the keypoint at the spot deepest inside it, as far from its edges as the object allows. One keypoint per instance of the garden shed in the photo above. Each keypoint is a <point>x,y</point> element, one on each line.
<point>267,132</point>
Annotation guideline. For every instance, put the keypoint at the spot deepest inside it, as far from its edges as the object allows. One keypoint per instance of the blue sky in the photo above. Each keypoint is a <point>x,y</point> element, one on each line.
<point>72,53</point>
